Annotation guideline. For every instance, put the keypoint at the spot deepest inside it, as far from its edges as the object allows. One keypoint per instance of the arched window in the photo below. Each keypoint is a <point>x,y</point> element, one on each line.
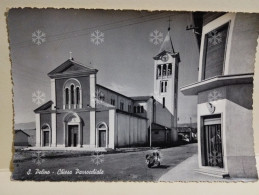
<point>161,87</point>
<point>142,109</point>
<point>159,71</point>
<point>102,97</point>
<point>169,70</point>
<point>138,109</point>
<point>77,95</point>
<point>72,94</point>
<point>67,96</point>
<point>102,127</point>
<point>164,70</point>
<point>129,108</point>
<point>121,105</point>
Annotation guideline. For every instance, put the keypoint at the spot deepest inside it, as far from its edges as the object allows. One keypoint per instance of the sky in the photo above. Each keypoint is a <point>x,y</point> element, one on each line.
<point>124,59</point>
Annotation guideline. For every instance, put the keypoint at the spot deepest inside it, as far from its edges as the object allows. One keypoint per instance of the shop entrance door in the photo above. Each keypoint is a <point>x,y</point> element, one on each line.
<point>212,153</point>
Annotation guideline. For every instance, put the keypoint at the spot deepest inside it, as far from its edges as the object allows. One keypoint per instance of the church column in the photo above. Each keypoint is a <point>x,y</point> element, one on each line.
<point>69,98</point>
<point>37,117</point>
<point>64,98</point>
<point>53,129</point>
<point>80,96</point>
<point>92,112</point>
<point>111,129</point>
<point>53,115</point>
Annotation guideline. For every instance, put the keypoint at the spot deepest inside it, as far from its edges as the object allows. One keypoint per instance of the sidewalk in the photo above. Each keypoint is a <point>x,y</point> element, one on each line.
<point>185,172</point>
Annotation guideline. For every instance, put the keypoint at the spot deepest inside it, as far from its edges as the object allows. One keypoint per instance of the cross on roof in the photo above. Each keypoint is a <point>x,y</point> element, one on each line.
<point>70,55</point>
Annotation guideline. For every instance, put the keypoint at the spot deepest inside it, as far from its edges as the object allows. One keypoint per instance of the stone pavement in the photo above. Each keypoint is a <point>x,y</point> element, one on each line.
<point>185,172</point>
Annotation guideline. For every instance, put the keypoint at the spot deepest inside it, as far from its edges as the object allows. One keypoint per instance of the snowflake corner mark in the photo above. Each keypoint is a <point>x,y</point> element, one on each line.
<point>38,97</point>
<point>38,37</point>
<point>215,158</point>
<point>97,37</point>
<point>37,157</point>
<point>156,37</point>
<point>98,100</point>
<point>215,37</point>
<point>214,96</point>
<point>97,158</point>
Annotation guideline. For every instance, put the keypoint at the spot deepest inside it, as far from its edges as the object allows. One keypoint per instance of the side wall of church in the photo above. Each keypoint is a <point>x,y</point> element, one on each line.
<point>109,95</point>
<point>162,115</point>
<point>130,131</point>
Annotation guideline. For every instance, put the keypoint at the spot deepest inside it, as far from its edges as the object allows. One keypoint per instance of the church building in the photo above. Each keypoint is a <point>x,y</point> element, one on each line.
<point>82,113</point>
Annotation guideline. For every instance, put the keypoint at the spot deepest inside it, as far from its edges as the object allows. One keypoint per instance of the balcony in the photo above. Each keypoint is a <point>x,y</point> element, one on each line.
<point>217,81</point>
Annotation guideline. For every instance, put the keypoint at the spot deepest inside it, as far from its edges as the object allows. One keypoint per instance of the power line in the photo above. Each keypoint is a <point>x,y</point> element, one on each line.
<point>89,28</point>
<point>84,34</point>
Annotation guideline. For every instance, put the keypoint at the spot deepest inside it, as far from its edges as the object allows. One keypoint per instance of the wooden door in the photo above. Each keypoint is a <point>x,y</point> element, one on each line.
<point>102,138</point>
<point>46,138</point>
<point>72,135</point>
<point>75,139</point>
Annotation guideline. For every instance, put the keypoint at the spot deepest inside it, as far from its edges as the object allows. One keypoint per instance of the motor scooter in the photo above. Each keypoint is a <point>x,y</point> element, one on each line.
<point>153,160</point>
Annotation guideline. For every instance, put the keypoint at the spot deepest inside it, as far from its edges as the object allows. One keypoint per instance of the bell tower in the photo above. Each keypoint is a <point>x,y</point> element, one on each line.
<point>166,85</point>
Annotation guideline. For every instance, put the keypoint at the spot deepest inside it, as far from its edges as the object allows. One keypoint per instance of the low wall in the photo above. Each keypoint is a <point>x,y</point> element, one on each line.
<point>130,131</point>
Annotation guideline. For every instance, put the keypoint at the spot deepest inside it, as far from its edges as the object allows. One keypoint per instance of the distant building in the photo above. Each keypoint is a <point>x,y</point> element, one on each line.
<point>82,113</point>
<point>21,138</point>
<point>31,136</point>
<point>224,90</point>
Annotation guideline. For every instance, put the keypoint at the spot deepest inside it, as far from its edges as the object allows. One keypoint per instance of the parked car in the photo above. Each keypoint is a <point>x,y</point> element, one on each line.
<point>183,138</point>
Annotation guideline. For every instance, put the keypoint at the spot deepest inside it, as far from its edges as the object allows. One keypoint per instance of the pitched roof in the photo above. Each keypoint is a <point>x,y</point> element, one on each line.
<point>19,130</point>
<point>141,98</point>
<point>71,67</point>
<point>167,47</point>
<point>101,86</point>
<point>43,107</point>
<point>167,44</point>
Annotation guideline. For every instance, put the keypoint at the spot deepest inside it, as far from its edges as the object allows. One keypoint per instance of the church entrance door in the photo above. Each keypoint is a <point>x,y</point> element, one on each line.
<point>102,138</point>
<point>72,135</point>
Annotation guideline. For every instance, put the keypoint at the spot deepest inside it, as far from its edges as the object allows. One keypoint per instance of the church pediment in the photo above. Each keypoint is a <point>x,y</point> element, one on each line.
<point>71,67</point>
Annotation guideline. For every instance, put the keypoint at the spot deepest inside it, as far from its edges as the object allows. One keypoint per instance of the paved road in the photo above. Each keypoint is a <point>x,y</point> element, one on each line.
<point>115,167</point>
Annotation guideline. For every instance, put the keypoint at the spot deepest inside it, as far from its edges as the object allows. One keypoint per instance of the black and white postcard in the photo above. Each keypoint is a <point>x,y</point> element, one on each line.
<point>106,95</point>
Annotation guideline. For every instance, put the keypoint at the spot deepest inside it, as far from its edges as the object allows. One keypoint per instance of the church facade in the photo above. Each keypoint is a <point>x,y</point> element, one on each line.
<point>82,113</point>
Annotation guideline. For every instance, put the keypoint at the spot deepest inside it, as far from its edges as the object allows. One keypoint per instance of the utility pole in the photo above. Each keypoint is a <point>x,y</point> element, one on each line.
<point>150,134</point>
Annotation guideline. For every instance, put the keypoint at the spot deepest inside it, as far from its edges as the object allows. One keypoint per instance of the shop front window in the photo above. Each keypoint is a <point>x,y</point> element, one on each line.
<point>211,142</point>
